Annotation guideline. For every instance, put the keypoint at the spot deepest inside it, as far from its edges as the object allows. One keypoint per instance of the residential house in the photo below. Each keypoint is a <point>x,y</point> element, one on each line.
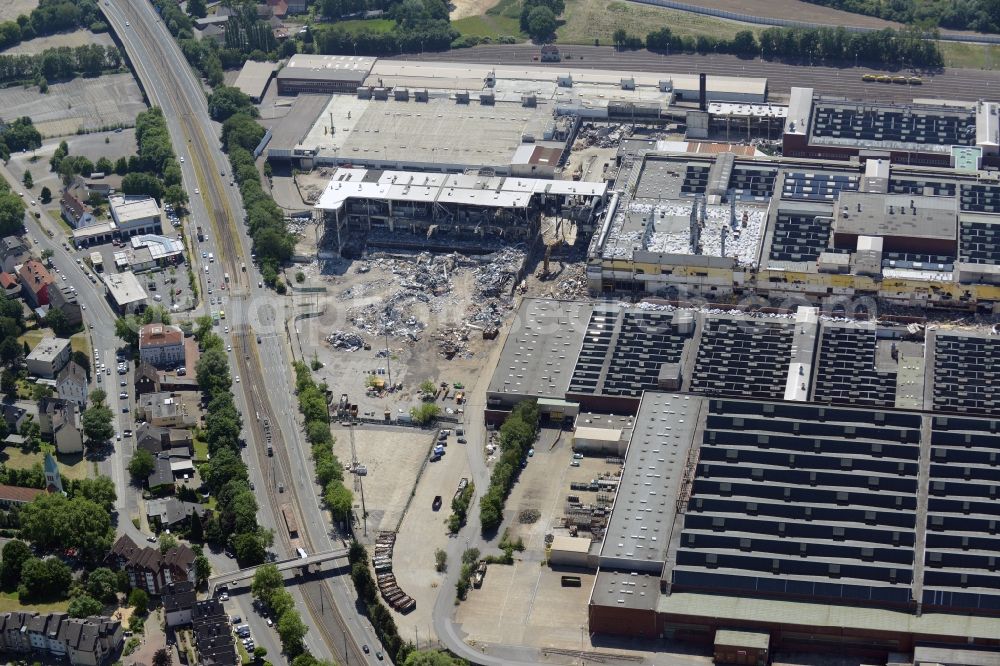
<point>169,512</point>
<point>161,479</point>
<point>215,33</point>
<point>60,420</point>
<point>166,410</point>
<point>156,439</point>
<point>178,602</point>
<point>76,213</point>
<point>48,357</point>
<point>147,379</point>
<point>9,284</point>
<point>14,416</point>
<point>62,297</point>
<point>11,496</point>
<point>35,280</point>
<point>150,570</point>
<point>279,8</point>
<point>296,6</point>
<point>13,252</point>
<point>71,384</point>
<point>86,641</point>
<point>161,345</point>
<point>213,634</point>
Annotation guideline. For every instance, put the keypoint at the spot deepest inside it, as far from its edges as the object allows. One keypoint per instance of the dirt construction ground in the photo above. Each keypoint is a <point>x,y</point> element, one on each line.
<point>11,9</point>
<point>393,457</point>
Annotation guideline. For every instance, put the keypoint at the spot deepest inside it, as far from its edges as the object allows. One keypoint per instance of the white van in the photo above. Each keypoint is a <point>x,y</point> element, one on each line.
<point>211,257</point>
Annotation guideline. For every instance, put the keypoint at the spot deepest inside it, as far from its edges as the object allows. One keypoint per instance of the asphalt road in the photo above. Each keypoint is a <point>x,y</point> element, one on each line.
<point>265,388</point>
<point>845,81</point>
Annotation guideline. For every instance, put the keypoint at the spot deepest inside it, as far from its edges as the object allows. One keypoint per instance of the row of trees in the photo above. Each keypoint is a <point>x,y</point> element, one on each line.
<point>51,16</point>
<point>329,472</point>
<point>60,63</point>
<point>517,434</point>
<point>269,588</point>
<point>272,241</point>
<point>11,215</point>
<point>235,521</point>
<point>431,35</point>
<point>378,614</point>
<point>910,46</point>
<point>978,15</point>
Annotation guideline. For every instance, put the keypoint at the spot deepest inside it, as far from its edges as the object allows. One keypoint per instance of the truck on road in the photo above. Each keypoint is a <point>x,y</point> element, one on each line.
<point>201,235</point>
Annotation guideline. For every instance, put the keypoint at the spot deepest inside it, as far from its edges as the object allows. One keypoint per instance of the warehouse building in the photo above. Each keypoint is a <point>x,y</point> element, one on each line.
<point>306,72</point>
<point>801,522</point>
<point>709,226</point>
<point>125,293</point>
<point>254,79</point>
<point>437,211</point>
<point>840,129</point>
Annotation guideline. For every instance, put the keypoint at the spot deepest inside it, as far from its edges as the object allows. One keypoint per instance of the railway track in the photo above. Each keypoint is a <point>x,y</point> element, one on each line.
<point>223,225</point>
<point>319,599</point>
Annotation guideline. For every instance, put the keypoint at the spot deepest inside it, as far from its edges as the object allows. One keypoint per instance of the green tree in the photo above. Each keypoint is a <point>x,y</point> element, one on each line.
<point>97,424</point>
<point>104,165</point>
<point>197,531</point>
<point>15,553</point>
<point>162,657</point>
<point>28,181</point>
<point>46,195</point>
<point>39,391</point>
<point>141,466</point>
<point>541,23</point>
<point>11,214</point>
<point>176,196</point>
<point>139,600</point>
<point>99,490</point>
<point>338,500</point>
<point>291,630</point>
<point>266,581</point>
<point>425,413</point>
<point>55,522</point>
<point>102,584</point>
<point>84,605</point>
<point>249,548</point>
<point>196,8</point>
<point>226,101</point>
<point>98,396</point>
<point>440,560</point>
<point>44,579</point>
<point>167,542</point>
<point>259,653</point>
<point>57,320</point>
<point>432,658</point>
<point>127,329</point>
<point>202,568</point>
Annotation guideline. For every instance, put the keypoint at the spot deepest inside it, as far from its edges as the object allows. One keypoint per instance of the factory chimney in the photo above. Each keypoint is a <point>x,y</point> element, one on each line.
<point>702,91</point>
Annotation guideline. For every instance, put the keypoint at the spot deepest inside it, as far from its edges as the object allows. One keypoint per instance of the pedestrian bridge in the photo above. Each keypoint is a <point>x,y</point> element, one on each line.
<point>284,565</point>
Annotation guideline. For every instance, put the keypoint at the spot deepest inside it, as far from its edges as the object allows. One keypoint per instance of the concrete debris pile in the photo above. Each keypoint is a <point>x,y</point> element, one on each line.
<point>495,278</point>
<point>390,317</point>
<point>569,284</point>
<point>451,341</point>
<point>311,193</point>
<point>345,340</point>
<point>602,136</point>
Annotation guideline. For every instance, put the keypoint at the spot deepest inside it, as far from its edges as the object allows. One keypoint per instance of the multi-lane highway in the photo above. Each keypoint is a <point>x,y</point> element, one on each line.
<point>264,388</point>
<point>953,84</point>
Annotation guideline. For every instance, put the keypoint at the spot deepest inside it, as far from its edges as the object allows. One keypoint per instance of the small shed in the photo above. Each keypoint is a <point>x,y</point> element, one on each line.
<point>599,440</point>
<point>742,647</point>
<point>569,551</point>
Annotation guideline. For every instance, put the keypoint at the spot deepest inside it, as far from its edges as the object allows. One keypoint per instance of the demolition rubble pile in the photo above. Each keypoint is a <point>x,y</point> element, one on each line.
<point>425,283</point>
<point>601,136</point>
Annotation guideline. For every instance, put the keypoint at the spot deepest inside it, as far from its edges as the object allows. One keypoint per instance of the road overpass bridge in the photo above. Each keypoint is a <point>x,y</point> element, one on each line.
<point>292,564</point>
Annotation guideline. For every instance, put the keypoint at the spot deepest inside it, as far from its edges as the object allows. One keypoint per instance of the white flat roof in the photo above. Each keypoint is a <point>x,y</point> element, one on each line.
<point>470,76</point>
<point>126,209</point>
<point>427,187</point>
<point>125,288</point>
<point>312,61</point>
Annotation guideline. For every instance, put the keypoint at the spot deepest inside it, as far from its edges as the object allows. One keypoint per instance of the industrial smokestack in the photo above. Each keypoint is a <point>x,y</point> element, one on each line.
<point>703,91</point>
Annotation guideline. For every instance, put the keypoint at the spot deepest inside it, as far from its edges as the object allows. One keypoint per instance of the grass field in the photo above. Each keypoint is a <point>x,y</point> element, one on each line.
<point>971,56</point>
<point>9,602</point>
<point>488,26</point>
<point>72,467</point>
<point>587,20</point>
<point>362,25</point>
